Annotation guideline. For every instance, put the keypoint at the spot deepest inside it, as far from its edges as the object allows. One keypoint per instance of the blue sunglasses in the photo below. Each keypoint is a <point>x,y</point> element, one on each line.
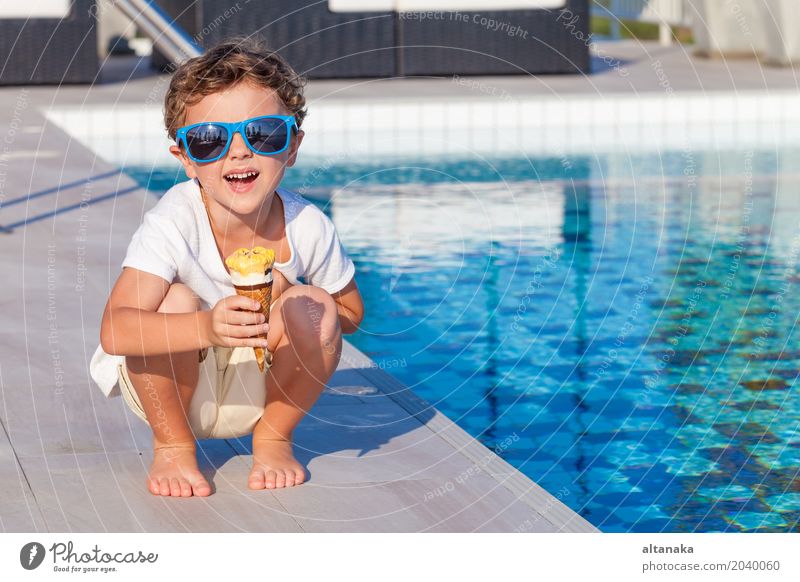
<point>267,135</point>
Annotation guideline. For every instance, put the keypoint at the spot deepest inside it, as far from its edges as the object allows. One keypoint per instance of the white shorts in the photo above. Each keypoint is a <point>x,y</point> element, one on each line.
<point>230,396</point>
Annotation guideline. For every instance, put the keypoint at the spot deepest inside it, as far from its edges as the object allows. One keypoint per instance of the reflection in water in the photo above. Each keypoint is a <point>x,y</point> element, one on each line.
<point>490,369</point>
<point>577,250</point>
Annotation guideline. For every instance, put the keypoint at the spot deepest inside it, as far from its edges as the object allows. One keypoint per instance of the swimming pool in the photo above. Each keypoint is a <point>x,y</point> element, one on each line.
<point>630,321</point>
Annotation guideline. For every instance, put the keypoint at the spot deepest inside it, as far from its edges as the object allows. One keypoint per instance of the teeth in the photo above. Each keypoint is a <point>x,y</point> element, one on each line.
<point>241,176</point>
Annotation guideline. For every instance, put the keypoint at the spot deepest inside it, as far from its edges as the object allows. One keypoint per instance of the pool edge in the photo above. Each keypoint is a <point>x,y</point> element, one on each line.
<point>546,505</point>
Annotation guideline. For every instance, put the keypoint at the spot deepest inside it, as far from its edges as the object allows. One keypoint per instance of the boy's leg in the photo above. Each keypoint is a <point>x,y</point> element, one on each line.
<point>306,342</point>
<point>165,385</point>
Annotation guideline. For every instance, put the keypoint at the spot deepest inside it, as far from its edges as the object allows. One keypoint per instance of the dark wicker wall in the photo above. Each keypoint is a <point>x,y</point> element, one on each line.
<point>317,42</point>
<point>324,44</point>
<point>526,41</point>
<point>50,51</point>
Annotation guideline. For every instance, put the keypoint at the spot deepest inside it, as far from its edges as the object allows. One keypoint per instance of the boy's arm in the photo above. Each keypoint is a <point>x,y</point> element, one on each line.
<point>350,307</point>
<point>131,326</point>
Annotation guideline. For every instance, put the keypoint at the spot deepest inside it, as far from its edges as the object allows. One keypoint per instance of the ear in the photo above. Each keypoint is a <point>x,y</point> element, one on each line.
<point>187,164</point>
<point>294,147</point>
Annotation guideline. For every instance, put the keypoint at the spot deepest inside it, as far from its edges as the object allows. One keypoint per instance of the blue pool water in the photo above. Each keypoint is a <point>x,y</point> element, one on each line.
<point>630,322</point>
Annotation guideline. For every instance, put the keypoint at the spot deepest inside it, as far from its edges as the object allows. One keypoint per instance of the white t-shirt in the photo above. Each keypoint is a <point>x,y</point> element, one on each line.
<point>175,242</point>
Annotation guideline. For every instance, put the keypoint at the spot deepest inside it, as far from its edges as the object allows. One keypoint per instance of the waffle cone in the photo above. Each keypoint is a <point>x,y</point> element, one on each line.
<point>263,294</point>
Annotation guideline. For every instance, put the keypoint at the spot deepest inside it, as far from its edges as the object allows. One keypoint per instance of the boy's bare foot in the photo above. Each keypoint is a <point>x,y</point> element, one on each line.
<point>174,472</point>
<point>274,465</point>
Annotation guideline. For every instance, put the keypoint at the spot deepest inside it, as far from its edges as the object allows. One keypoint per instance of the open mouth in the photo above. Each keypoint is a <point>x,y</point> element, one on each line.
<point>240,179</point>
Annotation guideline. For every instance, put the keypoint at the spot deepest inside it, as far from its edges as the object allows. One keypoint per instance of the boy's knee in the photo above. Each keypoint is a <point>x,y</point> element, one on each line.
<point>312,312</point>
<point>179,299</point>
<point>328,331</point>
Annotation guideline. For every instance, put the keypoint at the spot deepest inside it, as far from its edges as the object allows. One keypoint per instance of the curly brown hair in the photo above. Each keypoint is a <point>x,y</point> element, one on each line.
<point>225,65</point>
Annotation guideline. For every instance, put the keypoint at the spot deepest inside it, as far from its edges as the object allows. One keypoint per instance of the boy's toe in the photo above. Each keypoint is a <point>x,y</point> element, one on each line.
<point>256,479</point>
<point>201,488</point>
<point>269,479</point>
<point>174,487</point>
<point>290,478</point>
<point>299,477</point>
<point>186,488</point>
<point>152,485</point>
<point>163,485</point>
<point>280,479</point>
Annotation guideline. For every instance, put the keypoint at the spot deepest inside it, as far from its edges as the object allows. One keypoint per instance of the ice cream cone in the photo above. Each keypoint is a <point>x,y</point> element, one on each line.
<point>263,294</point>
<point>251,272</point>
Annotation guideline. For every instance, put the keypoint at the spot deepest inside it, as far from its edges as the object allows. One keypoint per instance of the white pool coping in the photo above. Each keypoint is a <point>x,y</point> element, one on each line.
<point>576,124</point>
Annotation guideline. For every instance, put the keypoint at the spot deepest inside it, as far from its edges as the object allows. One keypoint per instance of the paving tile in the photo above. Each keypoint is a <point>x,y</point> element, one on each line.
<point>479,504</point>
<point>19,511</point>
<point>41,420</point>
<point>107,492</point>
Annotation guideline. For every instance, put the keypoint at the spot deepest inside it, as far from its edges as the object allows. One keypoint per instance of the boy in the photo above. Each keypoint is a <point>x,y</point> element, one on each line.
<point>174,333</point>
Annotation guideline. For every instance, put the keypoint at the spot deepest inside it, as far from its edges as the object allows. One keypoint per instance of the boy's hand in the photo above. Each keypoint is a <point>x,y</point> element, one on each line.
<point>235,321</point>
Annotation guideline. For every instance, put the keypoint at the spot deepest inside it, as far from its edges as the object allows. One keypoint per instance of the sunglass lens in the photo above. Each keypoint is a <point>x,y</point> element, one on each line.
<point>206,142</point>
<point>267,136</point>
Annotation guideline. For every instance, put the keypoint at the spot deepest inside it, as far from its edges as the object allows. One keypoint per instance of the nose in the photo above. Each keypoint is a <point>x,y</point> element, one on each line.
<point>238,148</point>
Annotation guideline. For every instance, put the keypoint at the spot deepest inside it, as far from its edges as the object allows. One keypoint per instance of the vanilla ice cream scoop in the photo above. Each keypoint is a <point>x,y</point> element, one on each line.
<point>251,266</point>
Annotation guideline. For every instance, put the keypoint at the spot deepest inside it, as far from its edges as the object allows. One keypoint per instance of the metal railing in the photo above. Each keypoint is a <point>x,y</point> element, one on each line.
<point>170,38</point>
<point>665,13</point>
